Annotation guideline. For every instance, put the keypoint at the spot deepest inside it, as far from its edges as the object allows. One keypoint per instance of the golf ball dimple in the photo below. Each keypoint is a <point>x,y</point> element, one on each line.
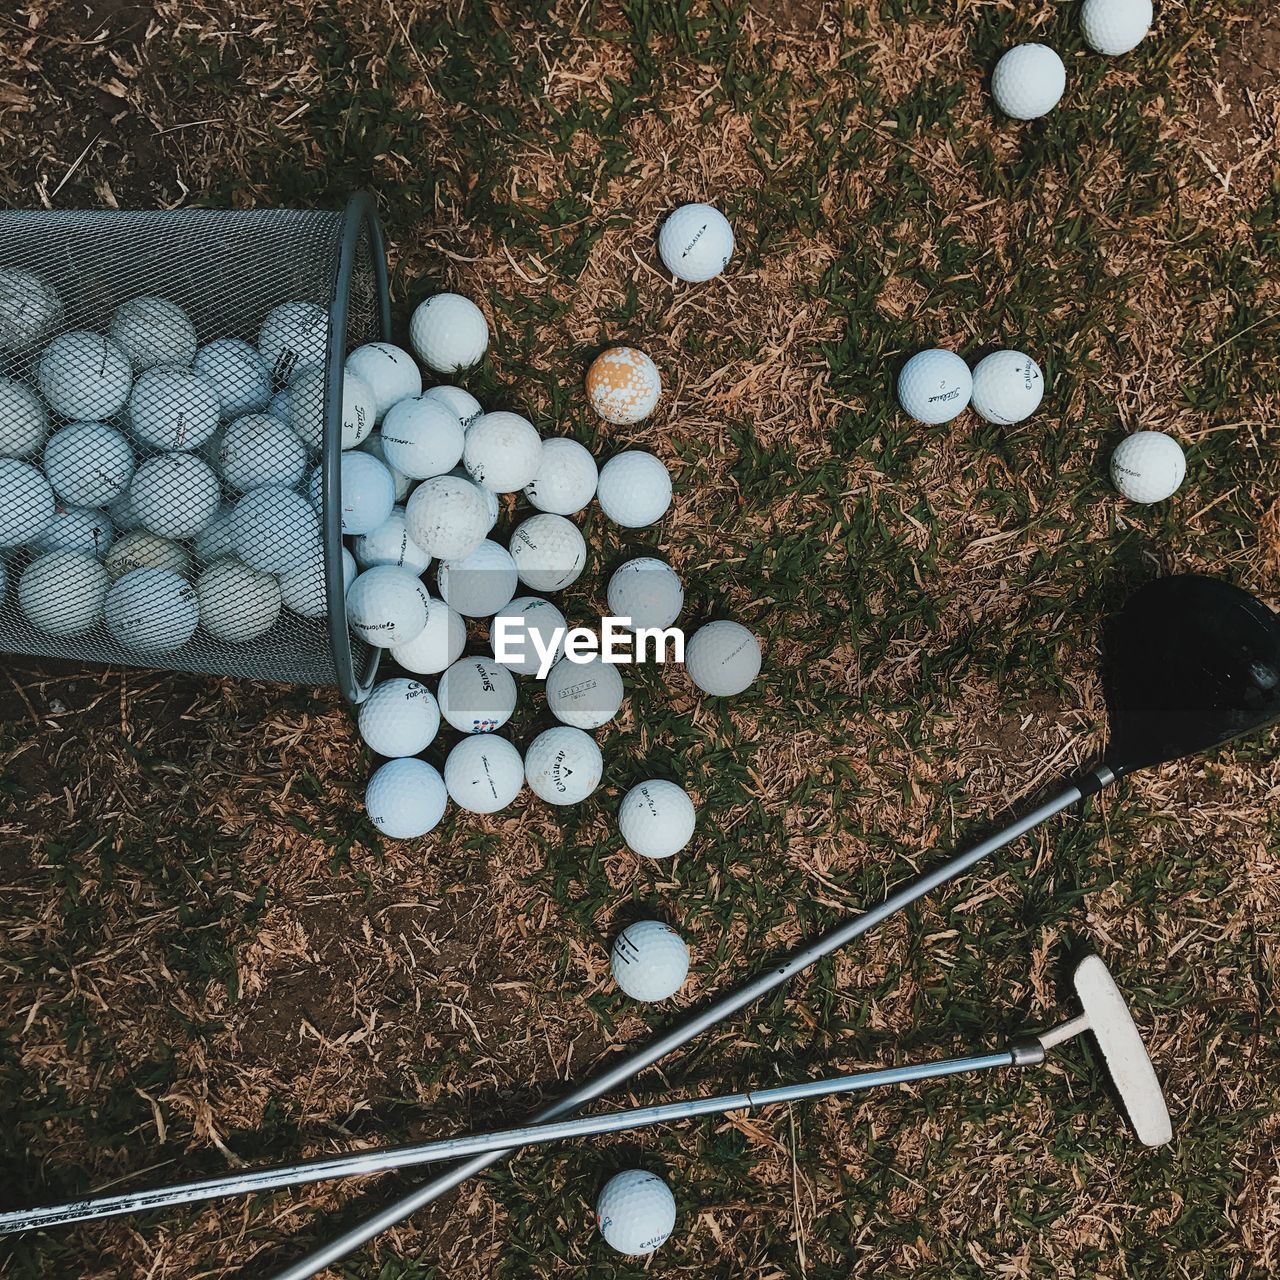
<point>173,408</point>
<point>237,603</point>
<point>89,464</point>
<point>389,372</point>
<point>448,332</point>
<point>257,450</point>
<point>635,1212</point>
<point>1028,81</point>
<point>584,694</point>
<point>1007,387</point>
<point>387,606</point>
<point>238,374</point>
<point>623,385</point>
<point>934,386</point>
<point>649,960</point>
<point>549,552</point>
<point>274,529</point>
<point>563,765</point>
<point>722,658</point>
<point>483,773</point>
<point>524,618</point>
<point>152,610</point>
<point>23,420</point>
<point>502,451</point>
<point>26,503</point>
<point>390,543</point>
<point>634,489</point>
<point>152,331</point>
<point>422,437</point>
<point>84,376</point>
<point>399,718</point>
<point>656,818</point>
<point>1148,466</point>
<point>293,337</point>
<point>406,798</point>
<point>646,590</point>
<point>1114,27</point>
<point>175,495</point>
<point>62,592</point>
<point>481,584</point>
<point>457,401</point>
<point>476,695</point>
<point>696,242</point>
<point>447,517</point>
<point>438,645</point>
<point>565,480</point>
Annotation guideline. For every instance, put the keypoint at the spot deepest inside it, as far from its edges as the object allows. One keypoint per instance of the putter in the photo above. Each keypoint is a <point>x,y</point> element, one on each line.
<point>1104,1012</point>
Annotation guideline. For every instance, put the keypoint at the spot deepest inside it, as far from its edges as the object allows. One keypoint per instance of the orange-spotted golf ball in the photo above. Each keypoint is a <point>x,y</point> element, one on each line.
<point>623,385</point>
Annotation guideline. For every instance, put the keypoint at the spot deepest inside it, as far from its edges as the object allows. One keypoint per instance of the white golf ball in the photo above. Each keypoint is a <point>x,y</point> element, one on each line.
<point>563,765</point>
<point>565,480</point>
<point>523,619</point>
<point>476,696</point>
<point>405,798</point>
<point>30,309</point>
<point>84,376</point>
<point>389,372</point>
<point>457,401</point>
<point>549,552</point>
<point>175,495</point>
<point>656,818</point>
<point>152,610</point>
<point>372,444</point>
<point>303,590</point>
<point>368,491</point>
<point>1007,387</point>
<point>422,437</point>
<point>237,604</point>
<point>1114,27</point>
<point>152,331</point>
<point>502,451</point>
<point>1028,82</point>
<point>649,960</point>
<point>634,489</point>
<point>308,396</point>
<point>23,421</point>
<point>390,543</point>
<point>636,1212</point>
<point>447,517</point>
<point>934,386</point>
<point>26,503</point>
<point>696,242</point>
<point>274,529</point>
<point>449,332</point>
<point>89,464</point>
<point>173,408</point>
<point>256,449</point>
<point>584,694</point>
<point>481,583</point>
<point>238,374</point>
<point>62,592</point>
<point>492,504</point>
<point>76,529</point>
<point>722,658</point>
<point>484,773</point>
<point>623,385</point>
<point>214,540</point>
<point>139,549</point>
<point>399,718</point>
<point>293,337</point>
<point>438,645</point>
<point>387,606</point>
<point>1148,466</point>
<point>647,591</point>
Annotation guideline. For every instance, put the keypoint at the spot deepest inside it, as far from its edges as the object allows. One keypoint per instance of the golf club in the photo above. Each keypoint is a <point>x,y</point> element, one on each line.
<point>1104,1012</point>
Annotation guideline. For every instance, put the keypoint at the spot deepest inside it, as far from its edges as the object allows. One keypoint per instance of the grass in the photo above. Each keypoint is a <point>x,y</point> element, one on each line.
<point>208,949</point>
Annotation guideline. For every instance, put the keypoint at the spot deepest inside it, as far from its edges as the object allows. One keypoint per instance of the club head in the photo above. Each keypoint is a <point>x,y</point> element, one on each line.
<point>1191,663</point>
<point>1126,1056</point>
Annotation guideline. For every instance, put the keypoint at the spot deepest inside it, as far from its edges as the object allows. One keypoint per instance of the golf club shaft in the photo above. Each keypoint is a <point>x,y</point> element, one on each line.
<point>728,1004</point>
<point>378,1160</point>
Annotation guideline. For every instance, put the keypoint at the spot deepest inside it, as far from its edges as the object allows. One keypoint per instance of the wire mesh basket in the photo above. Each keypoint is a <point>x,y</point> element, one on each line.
<point>171,428</point>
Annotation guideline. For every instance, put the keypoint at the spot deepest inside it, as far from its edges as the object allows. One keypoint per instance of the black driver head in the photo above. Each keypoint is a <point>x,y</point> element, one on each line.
<point>1191,663</point>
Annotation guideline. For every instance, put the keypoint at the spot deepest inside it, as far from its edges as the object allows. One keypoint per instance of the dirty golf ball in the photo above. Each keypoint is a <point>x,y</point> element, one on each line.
<point>1028,81</point>
<point>584,694</point>
<point>447,517</point>
<point>387,606</point>
<point>636,1212</point>
<point>1007,387</point>
<point>722,658</point>
<point>152,610</point>
<point>422,437</point>
<point>502,451</point>
<point>563,766</point>
<point>647,591</point>
<point>696,242</point>
<point>934,386</point>
<point>399,718</point>
<point>524,618</point>
<point>484,773</point>
<point>448,332</point>
<point>649,960</point>
<point>1114,27</point>
<point>405,798</point>
<point>390,373</point>
<point>139,549</point>
<point>656,818</point>
<point>623,385</point>
<point>565,480</point>
<point>476,695</point>
<point>237,604</point>
<point>1148,466</point>
<point>438,645</point>
<point>549,552</point>
<point>481,583</point>
<point>634,489</point>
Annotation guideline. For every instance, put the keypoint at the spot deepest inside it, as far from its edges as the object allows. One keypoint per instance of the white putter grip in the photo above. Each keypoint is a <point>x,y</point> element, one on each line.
<point>1126,1056</point>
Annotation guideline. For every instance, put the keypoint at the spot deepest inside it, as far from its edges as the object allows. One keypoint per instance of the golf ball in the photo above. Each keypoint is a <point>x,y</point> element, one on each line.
<point>293,337</point>
<point>62,592</point>
<point>502,451</point>
<point>152,610</point>
<point>405,798</point>
<point>84,376</point>
<point>647,591</point>
<point>76,529</point>
<point>388,371</point>
<point>448,332</point>
<point>584,694</point>
<point>387,606</point>
<point>722,658</point>
<point>438,645</point>
<point>649,960</point>
<point>492,505</point>
<point>173,408</point>
<point>549,552</point>
<point>139,549</point>
<point>238,374</point>
<point>565,480</point>
<point>481,583</point>
<point>26,503</point>
<point>257,450</point>
<point>422,437</point>
<point>636,1212</point>
<point>372,443</point>
<point>934,386</point>
<point>1114,27</point>
<point>175,495</point>
<point>484,773</point>
<point>390,543</point>
<point>303,590</point>
<point>1148,466</point>
<point>447,517</point>
<point>368,491</point>
<point>563,765</point>
<point>23,421</point>
<point>237,604</point>
<point>523,619</point>
<point>308,397</point>
<point>274,529</point>
<point>399,718</point>
<point>476,695</point>
<point>696,242</point>
<point>1007,387</point>
<point>623,385</point>
<point>89,464</point>
<point>1028,82</point>
<point>152,331</point>
<point>656,818</point>
<point>457,401</point>
<point>634,489</point>
<point>30,309</point>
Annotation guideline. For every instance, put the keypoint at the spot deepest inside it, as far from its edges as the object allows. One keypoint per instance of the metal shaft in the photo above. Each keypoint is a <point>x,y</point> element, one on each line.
<point>716,1012</point>
<point>378,1160</point>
